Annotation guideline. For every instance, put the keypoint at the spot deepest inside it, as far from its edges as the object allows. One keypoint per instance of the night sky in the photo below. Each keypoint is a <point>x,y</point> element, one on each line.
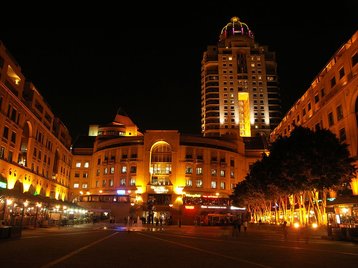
<point>150,65</point>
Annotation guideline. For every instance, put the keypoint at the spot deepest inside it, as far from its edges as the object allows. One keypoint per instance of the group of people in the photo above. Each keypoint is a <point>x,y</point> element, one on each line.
<point>236,224</point>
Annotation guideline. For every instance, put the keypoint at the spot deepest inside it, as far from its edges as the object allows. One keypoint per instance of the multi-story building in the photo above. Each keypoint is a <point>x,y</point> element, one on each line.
<point>173,172</point>
<point>35,154</point>
<point>239,85</point>
<point>331,102</point>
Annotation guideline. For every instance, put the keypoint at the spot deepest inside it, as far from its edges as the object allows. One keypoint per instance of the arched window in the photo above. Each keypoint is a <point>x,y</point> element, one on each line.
<point>161,163</point>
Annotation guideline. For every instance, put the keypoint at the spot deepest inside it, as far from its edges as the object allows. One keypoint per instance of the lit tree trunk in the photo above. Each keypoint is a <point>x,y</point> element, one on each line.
<point>324,205</point>
<point>292,206</point>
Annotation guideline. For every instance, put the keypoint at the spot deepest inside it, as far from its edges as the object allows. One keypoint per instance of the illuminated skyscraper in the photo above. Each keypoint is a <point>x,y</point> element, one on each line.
<point>239,85</point>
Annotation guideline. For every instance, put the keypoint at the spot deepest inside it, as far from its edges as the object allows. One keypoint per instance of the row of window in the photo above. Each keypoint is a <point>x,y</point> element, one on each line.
<point>213,184</point>
<point>85,164</point>
<point>339,117</point>
<point>189,183</point>
<point>106,170</point>
<point>5,135</point>
<point>105,183</point>
<point>214,171</point>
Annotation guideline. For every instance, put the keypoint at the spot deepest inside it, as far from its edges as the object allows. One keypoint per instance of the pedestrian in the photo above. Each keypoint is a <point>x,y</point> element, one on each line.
<point>245,226</point>
<point>284,230</point>
<point>235,227</point>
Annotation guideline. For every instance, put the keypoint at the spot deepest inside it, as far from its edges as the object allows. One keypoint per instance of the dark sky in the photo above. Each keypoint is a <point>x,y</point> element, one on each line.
<point>149,65</point>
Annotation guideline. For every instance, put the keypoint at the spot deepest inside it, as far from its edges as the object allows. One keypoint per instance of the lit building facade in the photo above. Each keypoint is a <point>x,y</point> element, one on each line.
<point>35,154</point>
<point>160,173</point>
<point>239,85</point>
<point>331,102</point>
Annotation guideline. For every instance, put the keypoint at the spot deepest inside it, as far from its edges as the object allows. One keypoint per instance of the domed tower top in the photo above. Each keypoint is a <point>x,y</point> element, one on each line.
<point>235,28</point>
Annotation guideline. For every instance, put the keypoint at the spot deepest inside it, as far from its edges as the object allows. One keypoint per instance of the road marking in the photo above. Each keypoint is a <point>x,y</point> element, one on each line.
<point>206,251</point>
<point>76,251</point>
<point>284,246</point>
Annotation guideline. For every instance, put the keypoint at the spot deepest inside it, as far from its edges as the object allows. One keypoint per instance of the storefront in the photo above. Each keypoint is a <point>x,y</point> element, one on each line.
<point>342,218</point>
<point>26,210</point>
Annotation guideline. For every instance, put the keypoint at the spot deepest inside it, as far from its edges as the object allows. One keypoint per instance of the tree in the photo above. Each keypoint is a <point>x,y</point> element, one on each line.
<point>301,168</point>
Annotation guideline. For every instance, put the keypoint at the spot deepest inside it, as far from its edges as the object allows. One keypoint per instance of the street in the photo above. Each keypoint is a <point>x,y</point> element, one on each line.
<point>110,245</point>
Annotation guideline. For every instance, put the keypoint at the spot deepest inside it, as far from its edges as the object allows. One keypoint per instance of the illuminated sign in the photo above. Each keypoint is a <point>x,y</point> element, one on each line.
<point>159,189</point>
<point>215,207</point>
<point>237,208</point>
<point>121,192</point>
<point>210,196</point>
<point>193,195</point>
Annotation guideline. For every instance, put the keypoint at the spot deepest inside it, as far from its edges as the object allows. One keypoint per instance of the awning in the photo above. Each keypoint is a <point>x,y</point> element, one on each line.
<point>340,200</point>
<point>11,193</point>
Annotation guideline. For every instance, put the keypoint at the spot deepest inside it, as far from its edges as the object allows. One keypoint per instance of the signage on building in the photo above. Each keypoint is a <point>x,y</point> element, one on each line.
<point>159,189</point>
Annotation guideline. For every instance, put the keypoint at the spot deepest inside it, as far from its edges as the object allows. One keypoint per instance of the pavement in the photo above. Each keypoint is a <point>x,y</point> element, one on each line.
<point>319,233</point>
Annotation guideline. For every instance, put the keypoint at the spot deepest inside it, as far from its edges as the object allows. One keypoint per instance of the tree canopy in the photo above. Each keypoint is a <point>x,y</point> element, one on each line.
<point>303,161</point>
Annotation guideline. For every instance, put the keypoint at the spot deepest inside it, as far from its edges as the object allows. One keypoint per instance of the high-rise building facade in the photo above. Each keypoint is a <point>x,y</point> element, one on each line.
<point>239,85</point>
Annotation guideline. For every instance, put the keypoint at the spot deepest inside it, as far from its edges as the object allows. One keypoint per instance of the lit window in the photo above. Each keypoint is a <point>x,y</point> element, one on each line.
<point>124,169</point>
<point>122,182</point>
<point>84,186</point>
<point>213,184</point>
<point>222,173</point>
<point>199,171</point>
<point>86,165</point>
<point>78,164</point>
<point>76,185</point>
<point>199,183</point>
<point>105,171</point>
<point>112,170</point>
<point>222,185</point>
<point>189,183</point>
<point>111,182</point>
<point>133,180</point>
